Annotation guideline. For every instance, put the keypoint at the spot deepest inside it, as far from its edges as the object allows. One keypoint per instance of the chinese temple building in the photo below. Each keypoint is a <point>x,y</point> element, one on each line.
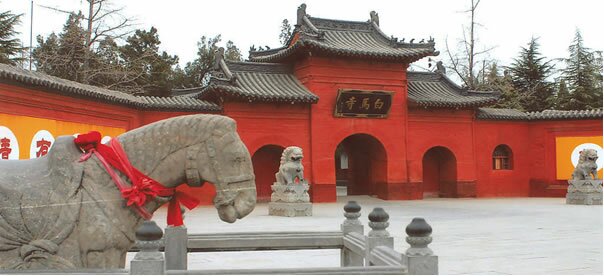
<point>341,91</point>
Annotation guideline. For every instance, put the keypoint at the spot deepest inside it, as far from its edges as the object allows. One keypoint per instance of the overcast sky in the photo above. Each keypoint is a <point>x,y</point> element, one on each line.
<point>505,24</point>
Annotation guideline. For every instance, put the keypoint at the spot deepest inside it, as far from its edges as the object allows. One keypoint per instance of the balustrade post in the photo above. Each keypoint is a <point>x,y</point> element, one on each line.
<point>149,260</point>
<point>378,236</point>
<point>419,258</point>
<point>352,212</point>
<point>176,247</point>
<point>352,224</point>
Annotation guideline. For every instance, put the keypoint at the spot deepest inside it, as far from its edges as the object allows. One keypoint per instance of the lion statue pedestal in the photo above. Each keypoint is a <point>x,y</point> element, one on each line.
<point>290,192</point>
<point>585,188</point>
<point>584,192</point>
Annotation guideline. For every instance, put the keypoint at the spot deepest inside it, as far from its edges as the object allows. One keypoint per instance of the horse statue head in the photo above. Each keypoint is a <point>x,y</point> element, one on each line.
<point>223,159</point>
<point>195,149</point>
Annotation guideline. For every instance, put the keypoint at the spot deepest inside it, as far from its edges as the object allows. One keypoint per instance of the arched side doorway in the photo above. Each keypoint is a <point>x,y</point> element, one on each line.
<point>360,162</point>
<point>439,173</point>
<point>266,163</point>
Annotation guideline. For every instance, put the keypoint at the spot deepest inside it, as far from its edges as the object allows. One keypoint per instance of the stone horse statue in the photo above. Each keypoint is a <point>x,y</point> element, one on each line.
<point>59,213</point>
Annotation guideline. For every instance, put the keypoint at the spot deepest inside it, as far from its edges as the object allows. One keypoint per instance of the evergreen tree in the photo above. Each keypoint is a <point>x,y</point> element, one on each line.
<point>232,52</point>
<point>583,76</point>
<point>106,59</point>
<point>63,55</point>
<point>286,32</point>
<point>10,46</point>
<point>563,96</point>
<point>195,71</point>
<point>141,54</point>
<point>529,73</point>
<point>46,54</point>
<point>509,97</point>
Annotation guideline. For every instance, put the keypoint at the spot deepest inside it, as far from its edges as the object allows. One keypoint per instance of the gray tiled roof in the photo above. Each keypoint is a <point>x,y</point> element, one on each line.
<point>513,114</point>
<point>488,113</point>
<point>346,38</point>
<point>436,90</point>
<point>565,114</point>
<point>264,82</point>
<point>74,89</point>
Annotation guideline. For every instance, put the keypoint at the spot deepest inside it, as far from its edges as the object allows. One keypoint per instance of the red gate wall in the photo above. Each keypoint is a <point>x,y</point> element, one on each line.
<point>324,77</point>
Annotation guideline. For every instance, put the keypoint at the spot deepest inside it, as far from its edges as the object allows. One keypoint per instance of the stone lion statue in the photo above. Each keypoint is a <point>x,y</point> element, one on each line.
<point>586,167</point>
<point>291,167</point>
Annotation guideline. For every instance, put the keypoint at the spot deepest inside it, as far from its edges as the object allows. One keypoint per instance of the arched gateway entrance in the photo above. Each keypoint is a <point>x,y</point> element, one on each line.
<point>266,163</point>
<point>439,173</point>
<point>360,162</point>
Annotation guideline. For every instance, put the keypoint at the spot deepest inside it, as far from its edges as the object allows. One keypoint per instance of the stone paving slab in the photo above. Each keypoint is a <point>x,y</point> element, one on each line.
<point>471,236</point>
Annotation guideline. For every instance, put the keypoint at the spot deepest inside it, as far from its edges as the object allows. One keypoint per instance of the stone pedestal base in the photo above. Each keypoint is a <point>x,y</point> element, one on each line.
<point>284,209</point>
<point>584,192</point>
<point>290,200</point>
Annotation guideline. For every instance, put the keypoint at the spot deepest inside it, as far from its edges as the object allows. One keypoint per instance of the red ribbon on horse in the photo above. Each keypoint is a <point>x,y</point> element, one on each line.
<point>143,187</point>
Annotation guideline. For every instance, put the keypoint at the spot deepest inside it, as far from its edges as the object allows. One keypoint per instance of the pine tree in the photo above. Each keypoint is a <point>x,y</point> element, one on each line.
<point>195,71</point>
<point>10,46</point>
<point>563,96</point>
<point>141,54</point>
<point>509,97</point>
<point>529,73</point>
<point>286,32</point>
<point>583,76</point>
<point>232,52</point>
<point>63,55</point>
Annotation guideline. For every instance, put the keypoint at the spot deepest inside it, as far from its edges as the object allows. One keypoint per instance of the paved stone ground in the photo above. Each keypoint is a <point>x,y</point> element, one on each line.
<point>471,236</point>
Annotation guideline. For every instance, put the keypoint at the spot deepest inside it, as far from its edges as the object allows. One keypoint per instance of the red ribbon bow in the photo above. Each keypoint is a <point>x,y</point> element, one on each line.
<point>143,187</point>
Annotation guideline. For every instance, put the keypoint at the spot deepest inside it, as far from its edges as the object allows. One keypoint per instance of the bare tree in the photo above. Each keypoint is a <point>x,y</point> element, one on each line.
<point>464,63</point>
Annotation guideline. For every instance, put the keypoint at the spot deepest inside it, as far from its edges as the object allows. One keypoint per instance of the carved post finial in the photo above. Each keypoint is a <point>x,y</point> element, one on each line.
<point>148,231</point>
<point>418,236</point>
<point>419,258</point>
<point>352,212</point>
<point>378,236</point>
<point>378,221</point>
<point>301,13</point>
<point>374,17</point>
<point>149,260</point>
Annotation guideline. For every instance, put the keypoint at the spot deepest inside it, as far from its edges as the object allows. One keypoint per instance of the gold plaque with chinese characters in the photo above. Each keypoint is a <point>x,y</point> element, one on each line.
<point>363,104</point>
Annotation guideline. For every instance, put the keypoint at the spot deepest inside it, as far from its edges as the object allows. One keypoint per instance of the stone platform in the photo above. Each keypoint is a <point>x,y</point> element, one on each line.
<point>290,200</point>
<point>297,209</point>
<point>584,192</point>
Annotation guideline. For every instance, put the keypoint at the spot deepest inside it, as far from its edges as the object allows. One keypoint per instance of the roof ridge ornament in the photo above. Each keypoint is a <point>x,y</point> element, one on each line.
<point>220,65</point>
<point>374,17</point>
<point>302,20</point>
<point>301,13</point>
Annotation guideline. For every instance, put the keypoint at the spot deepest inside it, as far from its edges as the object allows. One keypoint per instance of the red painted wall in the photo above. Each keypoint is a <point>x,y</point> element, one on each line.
<point>266,162</point>
<point>32,102</point>
<point>447,128</point>
<point>514,134</point>
<point>283,125</point>
<point>406,135</point>
<point>324,77</point>
<point>542,152</point>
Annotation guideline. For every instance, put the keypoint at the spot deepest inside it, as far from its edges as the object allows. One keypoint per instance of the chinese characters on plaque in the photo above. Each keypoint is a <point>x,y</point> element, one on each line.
<point>364,104</point>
